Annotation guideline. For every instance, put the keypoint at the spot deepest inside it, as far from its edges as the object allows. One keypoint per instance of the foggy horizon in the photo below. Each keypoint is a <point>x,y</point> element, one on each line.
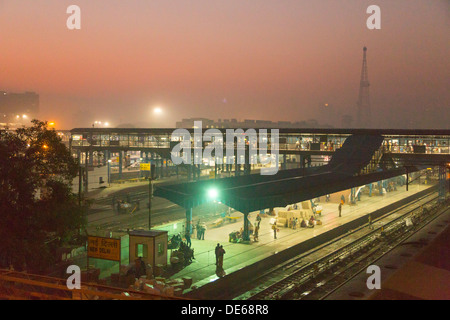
<point>259,60</point>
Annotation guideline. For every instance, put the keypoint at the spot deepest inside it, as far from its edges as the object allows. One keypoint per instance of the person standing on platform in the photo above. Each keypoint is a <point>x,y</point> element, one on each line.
<point>221,253</point>
<point>342,199</point>
<point>199,230</point>
<point>203,232</point>
<point>274,227</point>
<point>340,209</point>
<point>188,238</point>
<point>255,234</point>
<point>258,220</point>
<point>216,251</point>
<point>219,266</point>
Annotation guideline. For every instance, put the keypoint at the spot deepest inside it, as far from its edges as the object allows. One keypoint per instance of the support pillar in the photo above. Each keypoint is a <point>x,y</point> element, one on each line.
<point>215,169</point>
<point>120,164</point>
<point>86,179</point>
<point>407,179</point>
<point>189,220</point>
<point>442,183</point>
<point>246,234</point>
<point>91,158</point>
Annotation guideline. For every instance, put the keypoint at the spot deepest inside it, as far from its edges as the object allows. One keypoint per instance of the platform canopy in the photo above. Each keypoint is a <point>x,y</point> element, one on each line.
<point>255,192</point>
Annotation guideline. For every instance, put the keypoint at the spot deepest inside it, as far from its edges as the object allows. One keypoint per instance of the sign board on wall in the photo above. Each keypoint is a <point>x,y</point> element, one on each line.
<point>104,248</point>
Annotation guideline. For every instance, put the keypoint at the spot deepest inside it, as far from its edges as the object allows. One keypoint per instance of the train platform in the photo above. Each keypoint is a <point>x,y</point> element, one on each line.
<point>241,255</point>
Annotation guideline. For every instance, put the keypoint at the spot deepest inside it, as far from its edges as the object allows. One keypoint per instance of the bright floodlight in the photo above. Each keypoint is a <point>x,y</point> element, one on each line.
<point>213,193</point>
<point>157,110</point>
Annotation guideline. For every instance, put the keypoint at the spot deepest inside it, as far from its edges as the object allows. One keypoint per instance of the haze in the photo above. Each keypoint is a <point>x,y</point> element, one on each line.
<point>251,59</point>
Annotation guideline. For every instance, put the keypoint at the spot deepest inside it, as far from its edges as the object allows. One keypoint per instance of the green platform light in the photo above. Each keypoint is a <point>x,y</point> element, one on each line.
<point>213,193</point>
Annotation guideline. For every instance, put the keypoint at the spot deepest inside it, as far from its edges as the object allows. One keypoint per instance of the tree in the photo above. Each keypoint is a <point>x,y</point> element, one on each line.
<point>38,211</point>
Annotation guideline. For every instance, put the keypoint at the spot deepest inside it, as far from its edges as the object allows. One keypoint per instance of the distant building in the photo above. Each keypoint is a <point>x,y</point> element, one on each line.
<point>247,123</point>
<point>18,108</point>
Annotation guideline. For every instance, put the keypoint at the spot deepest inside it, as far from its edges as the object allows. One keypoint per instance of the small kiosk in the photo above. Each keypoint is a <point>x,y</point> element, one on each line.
<point>150,245</point>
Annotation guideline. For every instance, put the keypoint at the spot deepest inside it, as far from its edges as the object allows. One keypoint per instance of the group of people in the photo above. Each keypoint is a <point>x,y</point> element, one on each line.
<point>201,228</point>
<point>293,223</point>
<point>308,223</point>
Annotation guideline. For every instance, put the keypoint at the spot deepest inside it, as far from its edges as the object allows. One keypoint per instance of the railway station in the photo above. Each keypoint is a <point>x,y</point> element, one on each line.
<point>368,176</point>
<point>343,188</point>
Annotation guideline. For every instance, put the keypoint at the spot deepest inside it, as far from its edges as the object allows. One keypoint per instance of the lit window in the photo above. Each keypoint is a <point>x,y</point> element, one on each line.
<point>160,249</point>
<point>141,250</point>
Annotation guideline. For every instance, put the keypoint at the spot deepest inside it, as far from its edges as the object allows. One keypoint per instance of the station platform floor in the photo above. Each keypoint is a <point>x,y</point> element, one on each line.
<point>239,255</point>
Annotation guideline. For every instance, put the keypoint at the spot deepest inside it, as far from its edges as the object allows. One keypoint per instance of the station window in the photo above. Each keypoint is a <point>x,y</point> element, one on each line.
<point>141,250</point>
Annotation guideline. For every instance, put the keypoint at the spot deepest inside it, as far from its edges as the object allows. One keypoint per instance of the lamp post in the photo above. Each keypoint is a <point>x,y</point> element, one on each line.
<point>150,194</point>
<point>109,172</point>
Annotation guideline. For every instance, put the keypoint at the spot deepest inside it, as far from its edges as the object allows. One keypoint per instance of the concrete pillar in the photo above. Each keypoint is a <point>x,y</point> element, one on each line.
<point>189,220</point>
<point>86,178</point>
<point>246,235</point>
<point>120,164</point>
<point>91,158</point>
<point>442,183</point>
<point>215,169</point>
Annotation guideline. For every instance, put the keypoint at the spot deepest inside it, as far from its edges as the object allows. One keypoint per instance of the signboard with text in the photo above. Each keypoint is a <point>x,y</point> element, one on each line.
<point>104,248</point>
<point>145,166</point>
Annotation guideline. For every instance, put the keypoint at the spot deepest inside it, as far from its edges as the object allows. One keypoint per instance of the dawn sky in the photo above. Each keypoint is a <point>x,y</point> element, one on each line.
<point>246,59</point>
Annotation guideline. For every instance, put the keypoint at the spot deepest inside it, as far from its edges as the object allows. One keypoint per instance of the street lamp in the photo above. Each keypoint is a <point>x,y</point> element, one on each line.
<point>109,172</point>
<point>213,193</point>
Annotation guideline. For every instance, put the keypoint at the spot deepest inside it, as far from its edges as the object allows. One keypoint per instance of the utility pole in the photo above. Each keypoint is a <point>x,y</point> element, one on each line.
<point>150,195</point>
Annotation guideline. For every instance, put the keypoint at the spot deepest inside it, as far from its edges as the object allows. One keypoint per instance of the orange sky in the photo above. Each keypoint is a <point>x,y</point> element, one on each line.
<point>272,60</point>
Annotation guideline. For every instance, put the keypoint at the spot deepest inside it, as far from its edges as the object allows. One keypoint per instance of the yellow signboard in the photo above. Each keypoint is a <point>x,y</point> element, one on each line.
<point>104,248</point>
<point>212,174</point>
<point>145,166</point>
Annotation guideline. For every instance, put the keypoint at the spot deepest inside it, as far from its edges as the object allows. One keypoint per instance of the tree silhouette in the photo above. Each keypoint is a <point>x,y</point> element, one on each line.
<point>38,211</point>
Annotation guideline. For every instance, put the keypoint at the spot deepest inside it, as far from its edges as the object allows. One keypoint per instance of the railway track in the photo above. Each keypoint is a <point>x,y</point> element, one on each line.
<point>349,273</point>
<point>313,274</point>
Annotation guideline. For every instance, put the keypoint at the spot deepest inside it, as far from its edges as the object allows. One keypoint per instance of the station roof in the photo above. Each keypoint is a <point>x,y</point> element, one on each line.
<point>293,131</point>
<point>255,192</point>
